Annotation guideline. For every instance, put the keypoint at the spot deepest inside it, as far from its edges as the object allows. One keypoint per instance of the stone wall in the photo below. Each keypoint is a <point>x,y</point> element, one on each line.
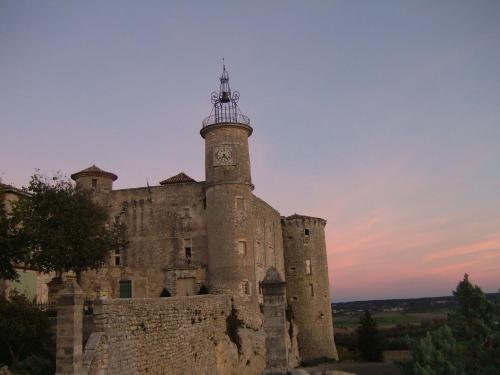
<point>268,240</point>
<point>207,334</point>
<point>160,221</point>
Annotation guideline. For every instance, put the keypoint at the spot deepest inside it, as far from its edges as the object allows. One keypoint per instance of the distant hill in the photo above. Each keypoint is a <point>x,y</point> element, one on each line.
<point>424,304</point>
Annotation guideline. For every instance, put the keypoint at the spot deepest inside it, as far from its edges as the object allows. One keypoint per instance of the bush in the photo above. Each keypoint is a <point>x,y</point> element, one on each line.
<point>24,336</point>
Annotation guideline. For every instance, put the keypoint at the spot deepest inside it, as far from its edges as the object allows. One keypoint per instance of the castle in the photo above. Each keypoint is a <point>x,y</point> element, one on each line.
<point>215,235</point>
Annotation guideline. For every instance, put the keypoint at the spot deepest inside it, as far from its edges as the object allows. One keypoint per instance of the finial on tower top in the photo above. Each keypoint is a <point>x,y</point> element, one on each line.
<point>224,95</point>
<point>224,102</point>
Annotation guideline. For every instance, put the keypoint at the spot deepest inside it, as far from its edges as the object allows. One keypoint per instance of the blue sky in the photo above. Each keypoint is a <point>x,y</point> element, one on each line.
<point>383,117</point>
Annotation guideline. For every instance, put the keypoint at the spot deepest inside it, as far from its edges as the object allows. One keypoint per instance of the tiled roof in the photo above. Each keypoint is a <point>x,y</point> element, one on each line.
<point>11,189</point>
<point>93,171</point>
<point>180,178</point>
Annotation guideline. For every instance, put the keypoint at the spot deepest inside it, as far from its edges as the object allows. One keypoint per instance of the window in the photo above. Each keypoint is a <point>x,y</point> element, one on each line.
<point>188,250</point>
<point>117,257</point>
<point>311,288</point>
<point>94,183</point>
<point>308,267</point>
<point>125,289</point>
<point>246,288</point>
<point>242,247</point>
<point>307,232</point>
<point>186,212</point>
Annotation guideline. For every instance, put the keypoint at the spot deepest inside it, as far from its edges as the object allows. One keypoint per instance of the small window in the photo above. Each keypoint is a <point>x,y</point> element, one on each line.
<point>246,288</point>
<point>242,247</point>
<point>306,232</point>
<point>94,183</point>
<point>188,250</point>
<point>311,288</point>
<point>186,212</point>
<point>295,299</point>
<point>117,257</point>
<point>308,267</point>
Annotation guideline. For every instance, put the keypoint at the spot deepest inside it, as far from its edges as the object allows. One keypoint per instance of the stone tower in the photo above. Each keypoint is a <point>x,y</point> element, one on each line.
<point>95,180</point>
<point>307,285</point>
<point>228,196</point>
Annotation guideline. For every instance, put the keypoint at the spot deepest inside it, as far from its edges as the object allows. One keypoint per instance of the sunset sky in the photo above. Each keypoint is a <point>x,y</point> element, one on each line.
<point>381,116</point>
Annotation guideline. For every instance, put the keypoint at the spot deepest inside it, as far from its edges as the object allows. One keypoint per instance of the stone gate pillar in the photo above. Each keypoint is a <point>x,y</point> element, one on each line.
<point>69,329</point>
<point>273,290</point>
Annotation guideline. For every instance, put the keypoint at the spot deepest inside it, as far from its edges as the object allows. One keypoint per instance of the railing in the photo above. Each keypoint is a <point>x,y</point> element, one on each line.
<point>51,307</point>
<point>48,307</point>
<point>44,306</point>
<point>237,118</point>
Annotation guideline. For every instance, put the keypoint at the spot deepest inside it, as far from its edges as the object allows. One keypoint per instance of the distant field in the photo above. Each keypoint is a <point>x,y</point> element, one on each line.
<point>386,319</point>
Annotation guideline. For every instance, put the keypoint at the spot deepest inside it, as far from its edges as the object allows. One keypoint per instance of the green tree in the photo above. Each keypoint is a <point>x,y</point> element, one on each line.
<point>438,353</point>
<point>471,343</point>
<point>24,331</point>
<point>370,343</point>
<point>62,228</point>
<point>475,323</point>
<point>10,252</point>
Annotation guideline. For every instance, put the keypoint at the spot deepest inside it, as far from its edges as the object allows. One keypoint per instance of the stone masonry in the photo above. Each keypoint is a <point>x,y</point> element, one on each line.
<point>175,336</point>
<point>273,288</point>
<point>69,329</point>
<point>215,236</point>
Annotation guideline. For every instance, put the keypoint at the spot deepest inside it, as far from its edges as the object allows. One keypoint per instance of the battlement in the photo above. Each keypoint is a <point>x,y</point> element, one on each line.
<point>297,219</point>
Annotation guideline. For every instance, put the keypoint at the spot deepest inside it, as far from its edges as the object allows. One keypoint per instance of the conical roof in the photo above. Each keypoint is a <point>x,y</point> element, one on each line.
<point>93,171</point>
<point>180,178</point>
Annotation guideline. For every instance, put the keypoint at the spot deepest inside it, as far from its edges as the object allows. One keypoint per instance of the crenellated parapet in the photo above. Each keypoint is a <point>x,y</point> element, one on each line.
<point>302,220</point>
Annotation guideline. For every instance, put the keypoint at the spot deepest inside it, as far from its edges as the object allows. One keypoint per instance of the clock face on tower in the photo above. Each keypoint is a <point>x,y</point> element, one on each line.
<point>224,155</point>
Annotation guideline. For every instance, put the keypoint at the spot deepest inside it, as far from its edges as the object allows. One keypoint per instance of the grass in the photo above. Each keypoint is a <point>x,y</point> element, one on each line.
<point>386,319</point>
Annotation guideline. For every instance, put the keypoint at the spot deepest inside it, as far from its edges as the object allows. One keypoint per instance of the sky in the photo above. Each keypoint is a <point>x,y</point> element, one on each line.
<point>381,116</point>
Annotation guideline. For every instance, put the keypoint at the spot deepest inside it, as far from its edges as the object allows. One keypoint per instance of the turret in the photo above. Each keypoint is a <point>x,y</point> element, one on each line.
<point>228,196</point>
<point>307,287</point>
<point>94,179</point>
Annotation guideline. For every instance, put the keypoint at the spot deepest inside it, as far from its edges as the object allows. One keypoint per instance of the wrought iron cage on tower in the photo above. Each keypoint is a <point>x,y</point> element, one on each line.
<point>225,107</point>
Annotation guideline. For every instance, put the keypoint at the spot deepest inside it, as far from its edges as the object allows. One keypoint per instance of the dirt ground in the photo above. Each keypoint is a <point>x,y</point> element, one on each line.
<point>359,368</point>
